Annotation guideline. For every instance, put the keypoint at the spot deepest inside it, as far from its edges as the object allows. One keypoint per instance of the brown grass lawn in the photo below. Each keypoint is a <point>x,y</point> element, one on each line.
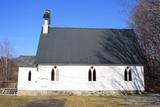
<point>81,101</point>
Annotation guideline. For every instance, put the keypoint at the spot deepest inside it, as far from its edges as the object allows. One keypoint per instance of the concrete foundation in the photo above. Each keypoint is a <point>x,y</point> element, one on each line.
<point>77,93</point>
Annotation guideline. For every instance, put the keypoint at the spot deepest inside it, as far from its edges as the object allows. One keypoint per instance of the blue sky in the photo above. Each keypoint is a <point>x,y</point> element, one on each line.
<point>21,20</point>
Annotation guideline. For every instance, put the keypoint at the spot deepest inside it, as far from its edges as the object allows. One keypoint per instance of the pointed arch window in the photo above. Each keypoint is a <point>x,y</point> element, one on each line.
<point>92,74</point>
<point>29,76</point>
<point>37,67</point>
<point>52,75</point>
<point>128,74</point>
<point>125,75</point>
<point>55,74</point>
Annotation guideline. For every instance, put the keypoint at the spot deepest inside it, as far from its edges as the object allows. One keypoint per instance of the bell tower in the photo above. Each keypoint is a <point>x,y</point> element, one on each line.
<point>47,21</point>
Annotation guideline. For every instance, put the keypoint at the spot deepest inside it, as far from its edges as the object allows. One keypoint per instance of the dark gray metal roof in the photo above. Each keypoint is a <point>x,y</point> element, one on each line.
<point>25,61</point>
<point>88,46</point>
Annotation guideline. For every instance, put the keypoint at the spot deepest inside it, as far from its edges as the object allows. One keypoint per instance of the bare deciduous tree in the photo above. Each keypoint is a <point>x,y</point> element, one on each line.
<point>145,20</point>
<point>7,65</point>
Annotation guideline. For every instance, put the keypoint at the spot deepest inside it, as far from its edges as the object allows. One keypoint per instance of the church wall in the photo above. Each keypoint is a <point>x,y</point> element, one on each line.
<point>74,78</point>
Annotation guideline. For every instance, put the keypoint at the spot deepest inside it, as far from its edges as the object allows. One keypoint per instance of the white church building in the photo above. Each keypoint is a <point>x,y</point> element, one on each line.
<point>83,61</point>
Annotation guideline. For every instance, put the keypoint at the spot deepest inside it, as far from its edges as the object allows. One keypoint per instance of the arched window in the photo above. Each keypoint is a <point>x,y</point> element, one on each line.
<point>57,75</point>
<point>130,75</point>
<point>29,76</point>
<point>37,66</point>
<point>94,75</point>
<point>52,75</point>
<point>90,75</point>
<point>125,75</point>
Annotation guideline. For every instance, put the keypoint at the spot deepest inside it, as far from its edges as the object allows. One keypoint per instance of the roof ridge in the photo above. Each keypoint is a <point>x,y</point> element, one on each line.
<point>91,28</point>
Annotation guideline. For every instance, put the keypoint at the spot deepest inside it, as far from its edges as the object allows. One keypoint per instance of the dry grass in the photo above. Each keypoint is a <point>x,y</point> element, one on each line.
<point>86,101</point>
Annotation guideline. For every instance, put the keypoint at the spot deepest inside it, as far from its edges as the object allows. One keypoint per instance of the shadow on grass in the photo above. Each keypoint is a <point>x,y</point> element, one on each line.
<point>46,103</point>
